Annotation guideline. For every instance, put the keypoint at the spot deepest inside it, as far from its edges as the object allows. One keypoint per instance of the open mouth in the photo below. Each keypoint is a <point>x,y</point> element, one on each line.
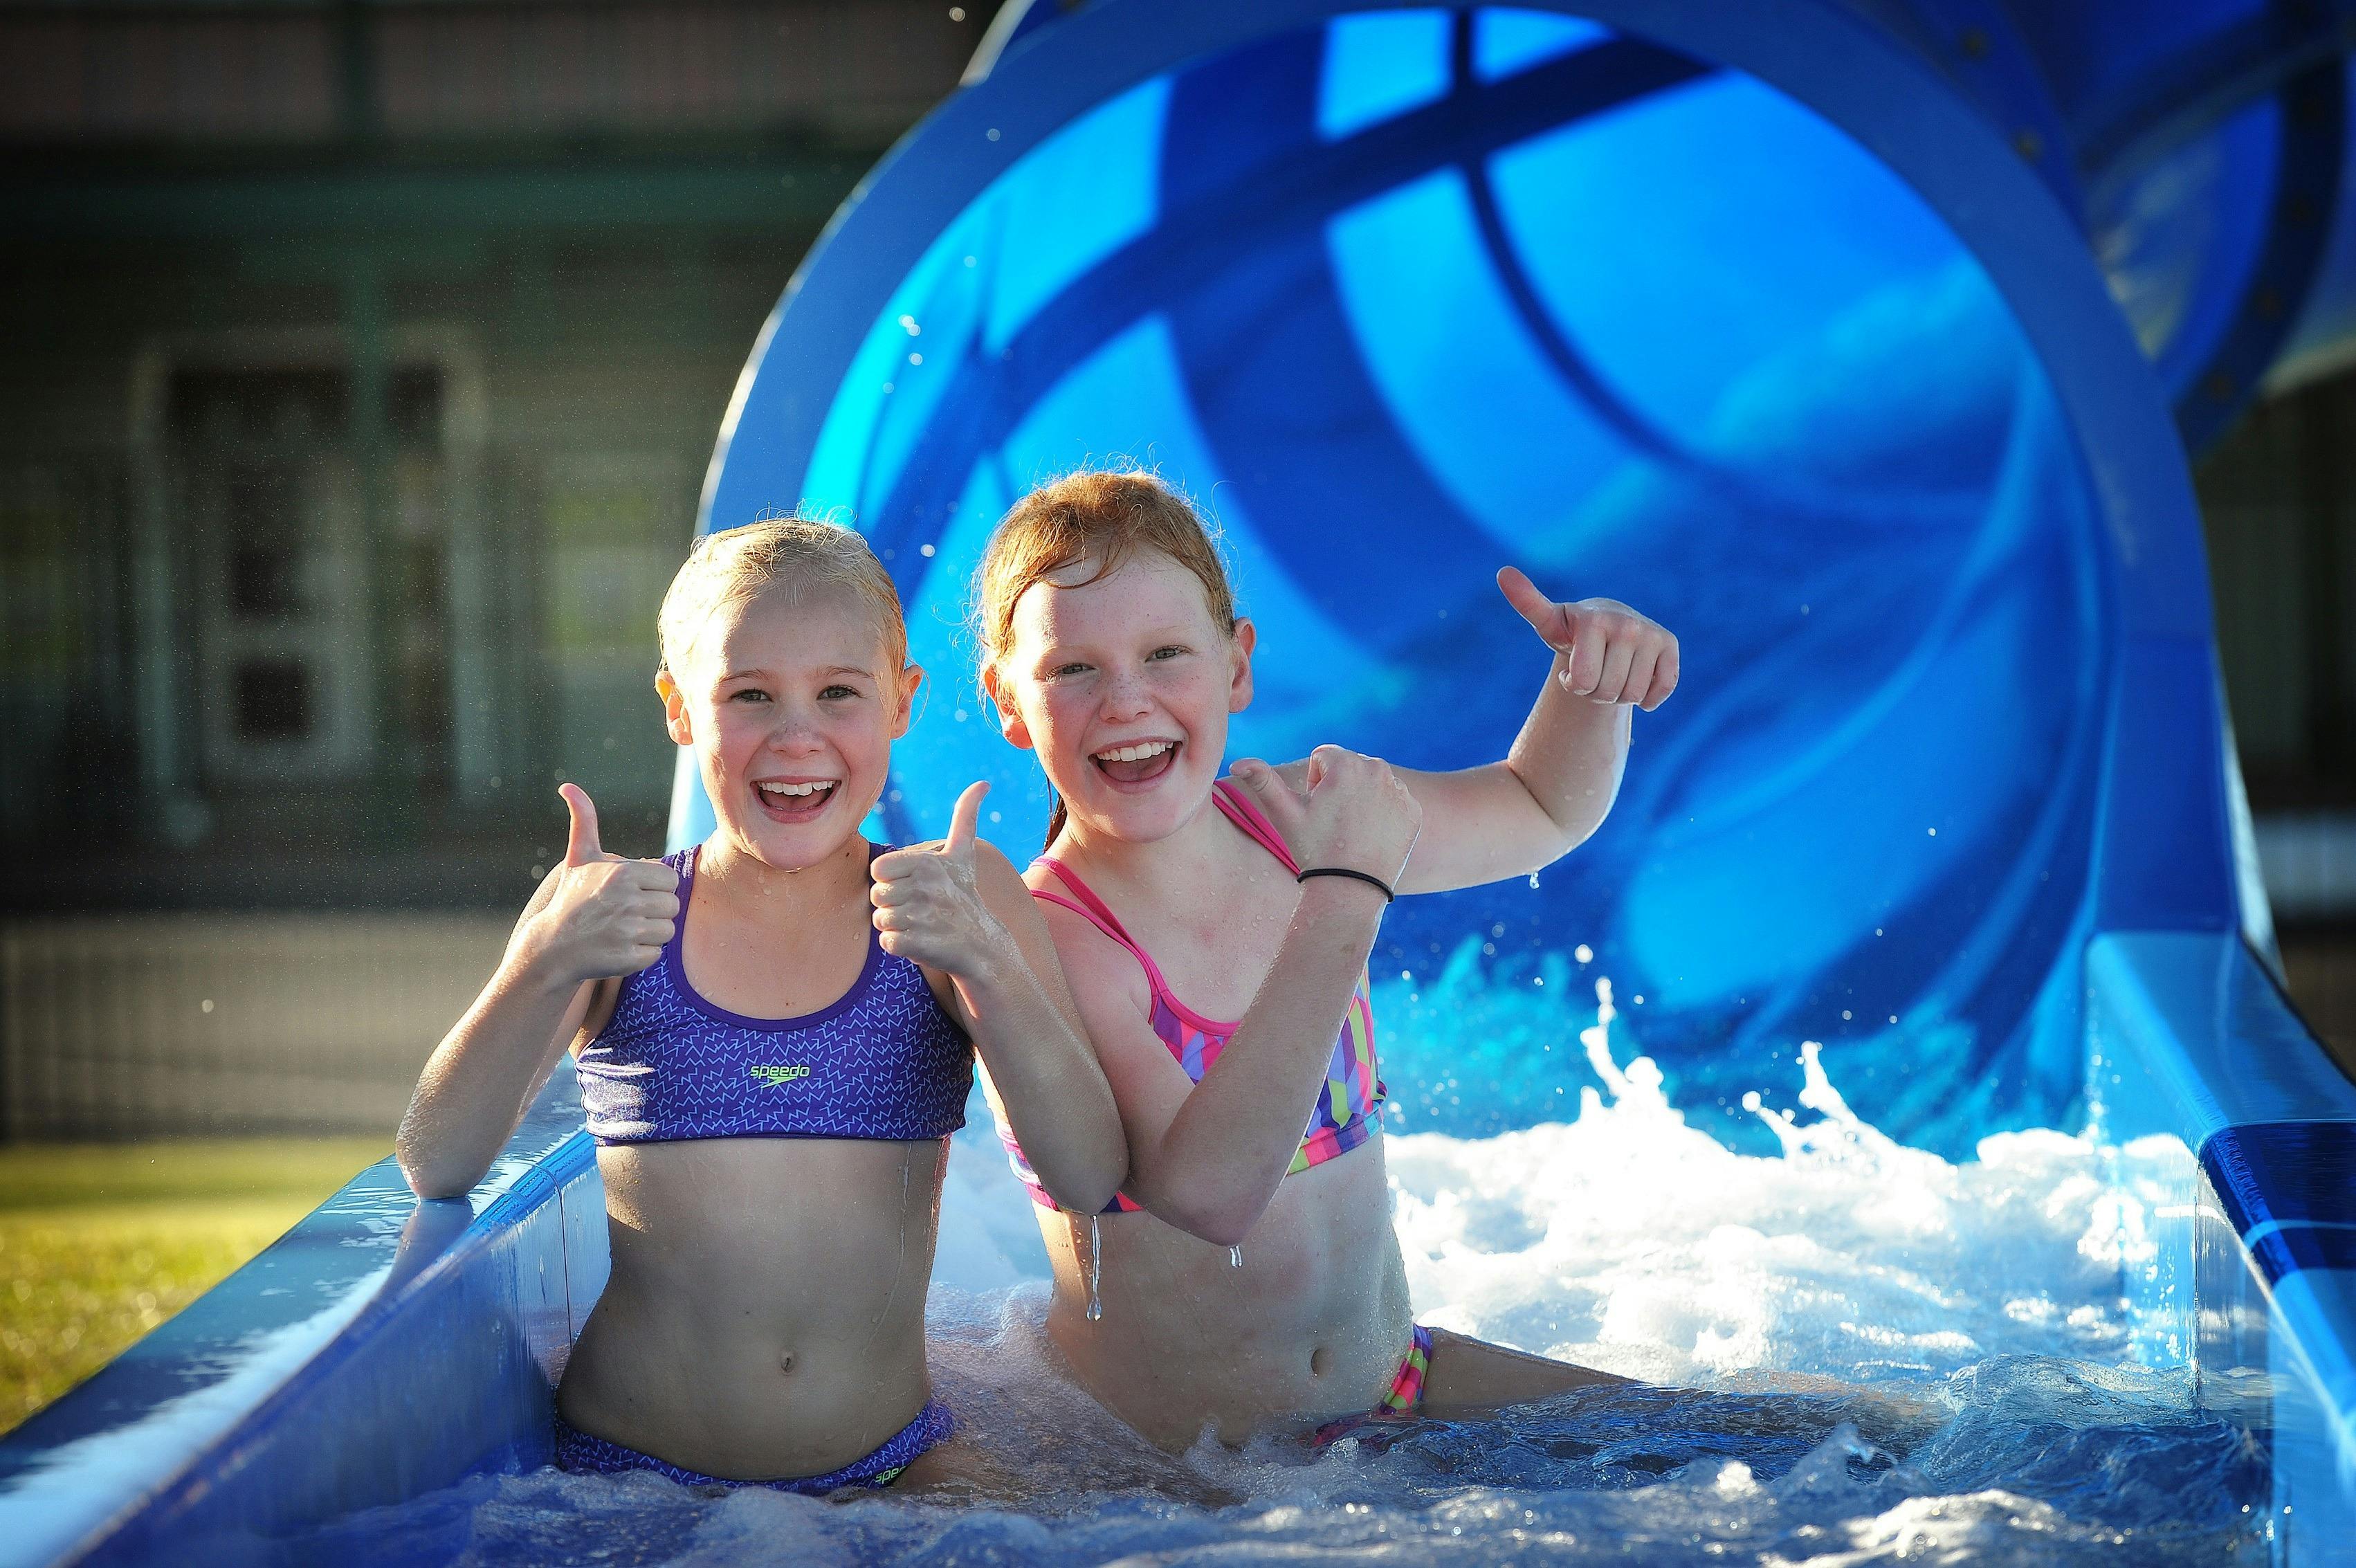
<point>1140,763</point>
<point>795,801</point>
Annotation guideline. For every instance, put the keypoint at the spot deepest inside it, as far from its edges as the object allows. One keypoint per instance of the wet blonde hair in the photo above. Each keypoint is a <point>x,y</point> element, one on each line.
<point>729,569</point>
<point>1105,517</point>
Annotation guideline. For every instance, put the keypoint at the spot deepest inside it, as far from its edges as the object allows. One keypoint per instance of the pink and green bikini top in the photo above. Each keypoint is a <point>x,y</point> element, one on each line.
<point>1348,1109</point>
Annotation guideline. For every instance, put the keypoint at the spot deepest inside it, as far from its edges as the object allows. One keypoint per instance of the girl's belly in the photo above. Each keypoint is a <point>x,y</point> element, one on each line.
<point>766,1313</point>
<point>1310,1327</point>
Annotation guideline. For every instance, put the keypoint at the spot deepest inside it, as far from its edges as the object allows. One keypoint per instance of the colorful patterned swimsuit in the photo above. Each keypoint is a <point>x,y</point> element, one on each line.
<point>1348,1109</point>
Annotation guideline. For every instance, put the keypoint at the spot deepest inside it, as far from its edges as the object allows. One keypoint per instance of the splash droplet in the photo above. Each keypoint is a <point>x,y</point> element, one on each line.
<point>1096,1270</point>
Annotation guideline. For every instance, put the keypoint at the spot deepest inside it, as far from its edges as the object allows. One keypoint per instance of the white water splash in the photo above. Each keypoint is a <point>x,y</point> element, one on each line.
<point>1629,1240</point>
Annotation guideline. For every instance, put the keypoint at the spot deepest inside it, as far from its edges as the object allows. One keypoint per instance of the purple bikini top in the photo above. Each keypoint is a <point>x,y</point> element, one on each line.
<point>883,1062</point>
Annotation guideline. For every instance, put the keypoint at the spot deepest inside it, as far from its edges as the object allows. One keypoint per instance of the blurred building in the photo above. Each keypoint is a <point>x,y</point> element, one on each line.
<point>363,362</point>
<point>360,361</point>
<point>2278,500</point>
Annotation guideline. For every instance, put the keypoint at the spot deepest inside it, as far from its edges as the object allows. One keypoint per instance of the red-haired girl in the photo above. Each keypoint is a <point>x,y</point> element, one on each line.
<point>1215,933</point>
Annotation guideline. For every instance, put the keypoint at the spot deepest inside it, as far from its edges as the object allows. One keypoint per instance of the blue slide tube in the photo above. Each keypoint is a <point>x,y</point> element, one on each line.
<point>1862,344</point>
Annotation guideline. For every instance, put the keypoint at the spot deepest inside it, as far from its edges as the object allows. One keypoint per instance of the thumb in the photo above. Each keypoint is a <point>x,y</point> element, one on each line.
<point>581,848</point>
<point>1322,762</point>
<point>959,845</point>
<point>1264,784</point>
<point>1546,616</point>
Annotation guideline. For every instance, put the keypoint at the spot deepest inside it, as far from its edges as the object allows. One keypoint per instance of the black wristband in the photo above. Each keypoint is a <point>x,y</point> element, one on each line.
<point>1367,877</point>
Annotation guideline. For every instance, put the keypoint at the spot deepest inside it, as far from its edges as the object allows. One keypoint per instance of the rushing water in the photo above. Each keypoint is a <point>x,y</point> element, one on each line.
<point>1856,1352</point>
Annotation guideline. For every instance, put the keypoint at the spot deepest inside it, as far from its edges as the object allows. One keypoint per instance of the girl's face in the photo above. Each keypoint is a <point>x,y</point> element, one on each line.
<point>792,710</point>
<point>1123,686</point>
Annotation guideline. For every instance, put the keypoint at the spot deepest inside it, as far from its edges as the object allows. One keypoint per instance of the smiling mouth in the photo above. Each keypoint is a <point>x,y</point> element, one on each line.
<point>1138,763</point>
<point>797,802</point>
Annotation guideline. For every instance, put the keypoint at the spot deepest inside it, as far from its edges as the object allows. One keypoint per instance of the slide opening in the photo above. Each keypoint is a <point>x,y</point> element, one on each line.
<point>1404,296</point>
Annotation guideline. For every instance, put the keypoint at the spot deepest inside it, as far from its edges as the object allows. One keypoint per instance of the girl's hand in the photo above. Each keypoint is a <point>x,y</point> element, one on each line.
<point>1356,812</point>
<point>1611,654</point>
<point>929,906</point>
<point>597,914</point>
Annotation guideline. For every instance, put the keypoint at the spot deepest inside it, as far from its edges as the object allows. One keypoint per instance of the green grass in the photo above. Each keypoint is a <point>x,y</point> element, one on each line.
<point>100,1242</point>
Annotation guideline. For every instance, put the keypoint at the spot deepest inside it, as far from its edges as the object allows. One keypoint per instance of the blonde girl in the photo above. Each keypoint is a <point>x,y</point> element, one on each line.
<point>774,1032</point>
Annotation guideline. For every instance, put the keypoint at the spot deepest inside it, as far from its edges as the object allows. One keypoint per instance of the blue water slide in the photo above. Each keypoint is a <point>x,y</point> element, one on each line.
<point>1860,343</point>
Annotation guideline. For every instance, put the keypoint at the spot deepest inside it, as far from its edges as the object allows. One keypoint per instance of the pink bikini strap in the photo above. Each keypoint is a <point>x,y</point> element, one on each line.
<point>1093,910</point>
<point>1253,822</point>
<point>1084,902</point>
<point>1097,912</point>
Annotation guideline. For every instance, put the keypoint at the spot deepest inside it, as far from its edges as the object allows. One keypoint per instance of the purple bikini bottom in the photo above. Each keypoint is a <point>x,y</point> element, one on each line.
<point>585,1453</point>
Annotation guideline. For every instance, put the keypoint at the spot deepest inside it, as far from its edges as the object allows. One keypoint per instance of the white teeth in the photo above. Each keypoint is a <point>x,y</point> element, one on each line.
<point>1134,753</point>
<point>793,789</point>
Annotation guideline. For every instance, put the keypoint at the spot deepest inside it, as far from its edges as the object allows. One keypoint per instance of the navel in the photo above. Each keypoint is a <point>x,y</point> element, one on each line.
<point>786,1361</point>
<point>1319,1359</point>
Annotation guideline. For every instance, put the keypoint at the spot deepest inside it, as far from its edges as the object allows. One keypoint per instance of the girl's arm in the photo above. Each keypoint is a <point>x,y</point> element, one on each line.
<point>1209,1157</point>
<point>596,917</point>
<point>961,911</point>
<point>1556,784</point>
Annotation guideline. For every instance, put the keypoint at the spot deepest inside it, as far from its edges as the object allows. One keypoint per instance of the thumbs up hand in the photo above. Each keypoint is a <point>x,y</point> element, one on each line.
<point>928,904</point>
<point>1351,811</point>
<point>1610,654</point>
<point>598,914</point>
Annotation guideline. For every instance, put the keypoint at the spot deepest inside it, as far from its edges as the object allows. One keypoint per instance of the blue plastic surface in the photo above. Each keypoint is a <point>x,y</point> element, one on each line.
<point>383,1349</point>
<point>2289,1188</point>
<point>1857,340</point>
<point>2214,1092</point>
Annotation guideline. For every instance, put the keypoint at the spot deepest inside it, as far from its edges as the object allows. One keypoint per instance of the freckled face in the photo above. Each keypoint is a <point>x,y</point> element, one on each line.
<point>792,711</point>
<point>1124,687</point>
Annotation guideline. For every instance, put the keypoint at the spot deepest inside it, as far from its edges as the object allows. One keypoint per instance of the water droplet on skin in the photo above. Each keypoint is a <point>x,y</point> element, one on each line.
<point>1096,1269</point>
<point>1235,1257</point>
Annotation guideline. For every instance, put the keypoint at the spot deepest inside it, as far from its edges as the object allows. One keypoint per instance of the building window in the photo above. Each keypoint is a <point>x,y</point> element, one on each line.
<point>273,700</point>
